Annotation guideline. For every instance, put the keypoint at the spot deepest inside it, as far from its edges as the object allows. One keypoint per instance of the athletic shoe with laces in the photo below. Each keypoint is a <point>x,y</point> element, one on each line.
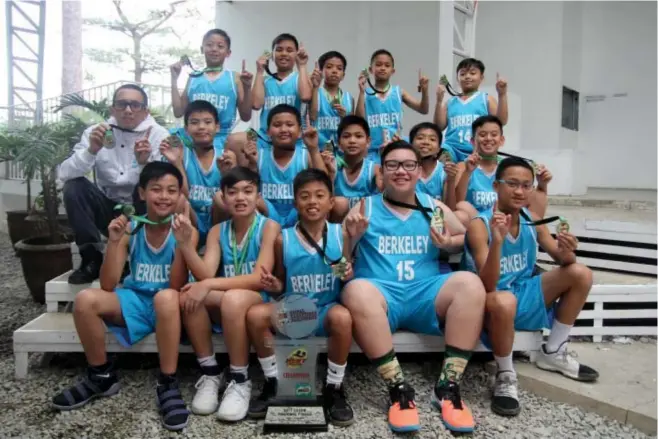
<point>505,401</point>
<point>403,415</point>
<point>206,398</point>
<point>235,402</point>
<point>258,406</point>
<point>338,410</point>
<point>454,413</point>
<point>564,362</point>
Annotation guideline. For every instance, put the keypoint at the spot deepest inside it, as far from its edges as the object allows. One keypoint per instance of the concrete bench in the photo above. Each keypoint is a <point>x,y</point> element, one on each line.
<point>55,332</point>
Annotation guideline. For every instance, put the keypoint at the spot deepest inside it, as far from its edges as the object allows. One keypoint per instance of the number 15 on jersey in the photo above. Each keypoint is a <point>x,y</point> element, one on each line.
<point>406,270</point>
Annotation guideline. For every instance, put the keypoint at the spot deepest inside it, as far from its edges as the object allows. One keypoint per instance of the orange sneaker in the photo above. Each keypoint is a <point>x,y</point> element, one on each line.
<point>403,414</point>
<point>454,413</point>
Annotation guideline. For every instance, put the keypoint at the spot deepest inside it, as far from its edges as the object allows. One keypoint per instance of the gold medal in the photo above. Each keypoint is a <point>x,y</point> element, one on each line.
<point>563,226</point>
<point>174,141</point>
<point>437,222</point>
<point>108,139</point>
<point>252,135</point>
<point>329,146</point>
<point>339,268</point>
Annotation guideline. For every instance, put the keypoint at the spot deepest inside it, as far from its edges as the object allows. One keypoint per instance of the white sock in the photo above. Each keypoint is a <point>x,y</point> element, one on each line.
<point>269,366</point>
<point>242,370</point>
<point>335,373</point>
<point>559,335</point>
<point>207,361</point>
<point>504,363</point>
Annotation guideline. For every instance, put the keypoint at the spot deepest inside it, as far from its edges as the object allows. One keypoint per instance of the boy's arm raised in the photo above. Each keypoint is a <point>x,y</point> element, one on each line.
<point>304,84</point>
<point>178,100</point>
<point>243,85</point>
<point>499,108</point>
<point>422,106</point>
<point>258,92</point>
<point>116,253</point>
<point>441,109</point>
<point>316,81</point>
<point>360,109</point>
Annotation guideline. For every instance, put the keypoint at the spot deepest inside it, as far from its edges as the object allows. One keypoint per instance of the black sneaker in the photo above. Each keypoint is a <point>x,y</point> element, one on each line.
<point>336,406</point>
<point>505,401</point>
<point>91,386</point>
<point>173,411</point>
<point>89,269</point>
<point>258,407</point>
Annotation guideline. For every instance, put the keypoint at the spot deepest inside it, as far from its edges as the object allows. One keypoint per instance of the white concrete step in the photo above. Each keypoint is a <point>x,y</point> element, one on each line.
<point>55,332</point>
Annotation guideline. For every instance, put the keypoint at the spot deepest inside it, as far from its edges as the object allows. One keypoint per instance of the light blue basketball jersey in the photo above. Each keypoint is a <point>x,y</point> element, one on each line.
<point>384,116</point>
<point>461,115</point>
<point>220,92</point>
<point>202,183</point>
<point>480,192</point>
<point>279,92</point>
<point>306,271</point>
<point>433,185</point>
<point>328,118</point>
<point>226,236</point>
<point>149,267</point>
<point>395,248</point>
<point>276,182</point>
<point>363,186</point>
<point>518,255</point>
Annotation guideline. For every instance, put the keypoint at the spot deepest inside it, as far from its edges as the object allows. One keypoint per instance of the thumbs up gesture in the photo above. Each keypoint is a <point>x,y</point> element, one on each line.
<point>246,77</point>
<point>501,85</point>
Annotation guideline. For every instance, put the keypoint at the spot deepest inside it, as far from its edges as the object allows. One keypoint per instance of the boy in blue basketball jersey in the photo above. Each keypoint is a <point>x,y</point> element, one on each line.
<point>457,114</point>
<point>359,176</point>
<point>475,192</point>
<point>305,254</point>
<point>278,165</point>
<point>228,91</point>
<point>382,107</point>
<point>200,164</point>
<point>289,87</point>
<point>329,103</point>
<point>501,247</point>
<point>240,248</point>
<point>398,285</point>
<point>147,302</point>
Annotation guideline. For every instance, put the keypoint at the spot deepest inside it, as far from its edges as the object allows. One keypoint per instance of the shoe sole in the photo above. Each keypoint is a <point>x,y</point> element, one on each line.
<point>175,427</point>
<point>506,412</point>
<point>113,390</point>
<point>341,423</point>
<point>450,427</point>
<point>204,412</point>
<point>549,368</point>
<point>406,429</point>
<point>231,418</point>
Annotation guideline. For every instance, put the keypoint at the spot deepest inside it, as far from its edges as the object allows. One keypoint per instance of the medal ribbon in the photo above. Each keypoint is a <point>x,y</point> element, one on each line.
<point>321,251</point>
<point>238,260</point>
<point>419,207</point>
<point>129,211</point>
<point>374,90</point>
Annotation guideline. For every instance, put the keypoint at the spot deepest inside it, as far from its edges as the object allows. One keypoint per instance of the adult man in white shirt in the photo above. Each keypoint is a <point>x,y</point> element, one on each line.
<point>117,159</point>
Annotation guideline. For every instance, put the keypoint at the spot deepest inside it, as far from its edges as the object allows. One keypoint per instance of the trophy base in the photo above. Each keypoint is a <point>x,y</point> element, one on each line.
<point>296,416</point>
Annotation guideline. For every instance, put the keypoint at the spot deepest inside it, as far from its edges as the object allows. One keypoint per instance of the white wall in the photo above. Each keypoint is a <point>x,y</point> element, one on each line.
<point>407,30</point>
<point>619,56</point>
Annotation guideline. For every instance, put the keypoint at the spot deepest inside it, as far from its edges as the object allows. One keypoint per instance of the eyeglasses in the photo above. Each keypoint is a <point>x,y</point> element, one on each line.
<point>134,105</point>
<point>394,165</point>
<point>513,184</point>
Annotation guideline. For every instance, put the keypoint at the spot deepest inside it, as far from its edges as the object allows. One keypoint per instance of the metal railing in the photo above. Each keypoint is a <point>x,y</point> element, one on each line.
<point>159,98</point>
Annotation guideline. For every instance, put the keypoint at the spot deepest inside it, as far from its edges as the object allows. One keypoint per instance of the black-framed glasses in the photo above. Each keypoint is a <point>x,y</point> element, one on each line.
<point>394,165</point>
<point>514,185</point>
<point>134,105</point>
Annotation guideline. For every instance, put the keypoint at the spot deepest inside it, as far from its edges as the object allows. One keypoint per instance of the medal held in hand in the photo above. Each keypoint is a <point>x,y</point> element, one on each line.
<point>297,407</point>
<point>108,139</point>
<point>437,221</point>
<point>174,141</point>
<point>562,226</point>
<point>252,135</point>
<point>339,268</point>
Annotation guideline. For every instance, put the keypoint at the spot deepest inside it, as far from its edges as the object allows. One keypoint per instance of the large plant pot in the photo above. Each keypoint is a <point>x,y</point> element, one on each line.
<point>42,261</point>
<point>19,228</point>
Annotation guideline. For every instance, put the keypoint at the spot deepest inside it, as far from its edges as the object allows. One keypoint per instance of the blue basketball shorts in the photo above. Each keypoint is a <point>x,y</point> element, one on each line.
<point>139,314</point>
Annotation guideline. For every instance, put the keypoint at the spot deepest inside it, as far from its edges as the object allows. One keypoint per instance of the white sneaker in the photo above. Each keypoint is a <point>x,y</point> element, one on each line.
<point>564,362</point>
<point>505,401</point>
<point>206,399</point>
<point>235,402</point>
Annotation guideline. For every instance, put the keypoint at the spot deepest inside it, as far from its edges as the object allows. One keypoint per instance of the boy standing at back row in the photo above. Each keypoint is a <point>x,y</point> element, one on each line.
<point>224,89</point>
<point>458,113</point>
<point>382,108</point>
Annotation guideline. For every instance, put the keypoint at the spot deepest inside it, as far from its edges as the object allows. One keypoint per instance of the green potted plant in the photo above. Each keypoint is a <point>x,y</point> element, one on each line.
<point>47,256</point>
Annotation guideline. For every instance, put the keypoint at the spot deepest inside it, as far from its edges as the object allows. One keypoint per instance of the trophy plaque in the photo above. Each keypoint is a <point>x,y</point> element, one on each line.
<point>297,407</point>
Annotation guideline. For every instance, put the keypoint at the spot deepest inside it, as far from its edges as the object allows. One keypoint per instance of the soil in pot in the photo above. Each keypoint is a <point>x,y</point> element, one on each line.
<point>42,261</point>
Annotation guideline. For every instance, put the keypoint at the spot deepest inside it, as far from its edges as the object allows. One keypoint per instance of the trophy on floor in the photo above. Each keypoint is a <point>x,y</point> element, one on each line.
<point>297,407</point>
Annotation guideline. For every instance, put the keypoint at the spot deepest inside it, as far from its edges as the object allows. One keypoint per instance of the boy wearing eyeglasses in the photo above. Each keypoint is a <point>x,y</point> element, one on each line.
<point>501,247</point>
<point>228,91</point>
<point>398,285</point>
<point>475,191</point>
<point>381,106</point>
<point>117,151</point>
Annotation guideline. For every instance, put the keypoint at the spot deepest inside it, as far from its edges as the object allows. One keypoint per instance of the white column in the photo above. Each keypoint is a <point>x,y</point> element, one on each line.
<point>445,34</point>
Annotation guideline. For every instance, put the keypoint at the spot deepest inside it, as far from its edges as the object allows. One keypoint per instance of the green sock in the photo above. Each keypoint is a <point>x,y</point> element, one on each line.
<point>454,364</point>
<point>389,369</point>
